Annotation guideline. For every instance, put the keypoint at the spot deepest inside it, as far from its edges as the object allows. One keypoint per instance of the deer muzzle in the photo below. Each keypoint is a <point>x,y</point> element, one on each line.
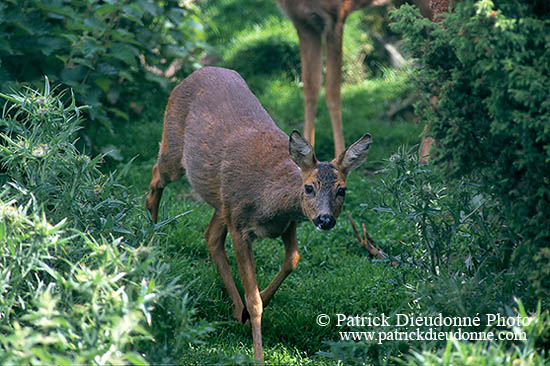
<point>324,222</point>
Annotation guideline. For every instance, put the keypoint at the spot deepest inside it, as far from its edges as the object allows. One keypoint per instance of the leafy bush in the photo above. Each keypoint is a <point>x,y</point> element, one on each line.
<point>266,51</point>
<point>96,298</point>
<point>99,49</point>
<point>454,241</point>
<point>38,154</point>
<point>456,235</point>
<point>453,226</point>
<point>54,312</point>
<point>487,64</point>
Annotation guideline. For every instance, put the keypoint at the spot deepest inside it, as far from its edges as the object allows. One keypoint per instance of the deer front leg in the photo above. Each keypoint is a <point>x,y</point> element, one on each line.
<point>215,239</point>
<point>254,307</point>
<point>333,84</point>
<point>310,54</point>
<point>289,264</point>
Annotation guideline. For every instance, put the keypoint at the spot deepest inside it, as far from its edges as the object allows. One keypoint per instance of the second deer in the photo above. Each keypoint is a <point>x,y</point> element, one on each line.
<point>259,181</point>
<point>315,21</point>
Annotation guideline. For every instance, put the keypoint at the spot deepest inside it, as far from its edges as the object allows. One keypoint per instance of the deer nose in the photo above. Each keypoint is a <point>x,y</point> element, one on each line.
<point>324,222</point>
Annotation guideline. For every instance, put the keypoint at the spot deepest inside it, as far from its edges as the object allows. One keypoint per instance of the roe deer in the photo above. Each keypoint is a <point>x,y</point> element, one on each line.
<point>260,182</point>
<point>314,21</point>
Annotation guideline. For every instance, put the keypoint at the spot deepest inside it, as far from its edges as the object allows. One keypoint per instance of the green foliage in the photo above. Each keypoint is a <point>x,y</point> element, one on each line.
<point>38,154</point>
<point>451,237</point>
<point>266,43</point>
<point>99,49</point>
<point>487,63</point>
<point>525,353</point>
<point>229,17</point>
<point>540,274</point>
<point>265,51</point>
<point>72,292</point>
<point>453,225</point>
<point>456,234</point>
<point>54,312</point>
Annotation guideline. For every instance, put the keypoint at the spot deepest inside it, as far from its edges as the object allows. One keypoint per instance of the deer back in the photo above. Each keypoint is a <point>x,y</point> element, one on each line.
<point>234,155</point>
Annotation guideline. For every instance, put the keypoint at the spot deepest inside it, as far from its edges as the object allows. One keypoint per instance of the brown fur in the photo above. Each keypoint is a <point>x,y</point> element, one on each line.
<point>326,179</point>
<point>314,21</point>
<point>244,166</point>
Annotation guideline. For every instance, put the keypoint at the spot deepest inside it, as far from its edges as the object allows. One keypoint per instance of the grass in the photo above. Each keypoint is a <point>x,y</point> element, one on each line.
<point>363,110</point>
<point>159,280</point>
<point>335,274</point>
<point>167,293</point>
<point>333,267</point>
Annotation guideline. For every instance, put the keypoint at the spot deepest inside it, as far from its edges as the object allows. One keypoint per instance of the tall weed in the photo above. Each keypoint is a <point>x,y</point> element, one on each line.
<point>77,252</point>
<point>453,225</point>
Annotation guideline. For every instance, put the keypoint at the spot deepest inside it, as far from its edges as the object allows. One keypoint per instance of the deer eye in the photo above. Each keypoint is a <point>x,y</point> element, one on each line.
<point>341,192</point>
<point>308,189</point>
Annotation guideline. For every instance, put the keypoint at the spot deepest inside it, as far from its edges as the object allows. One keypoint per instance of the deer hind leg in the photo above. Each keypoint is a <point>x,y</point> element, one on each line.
<point>155,193</point>
<point>215,236</point>
<point>254,306</point>
<point>310,53</point>
<point>333,84</point>
<point>289,264</point>
<point>166,170</point>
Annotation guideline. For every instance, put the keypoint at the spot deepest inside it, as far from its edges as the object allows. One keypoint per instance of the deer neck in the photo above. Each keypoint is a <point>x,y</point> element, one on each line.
<point>285,195</point>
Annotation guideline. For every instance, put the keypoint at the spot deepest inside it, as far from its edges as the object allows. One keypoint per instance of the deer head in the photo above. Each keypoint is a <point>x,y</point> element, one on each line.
<point>324,183</point>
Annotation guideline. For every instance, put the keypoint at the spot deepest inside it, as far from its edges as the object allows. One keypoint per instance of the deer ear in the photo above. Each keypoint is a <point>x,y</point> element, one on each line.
<point>301,151</point>
<point>354,155</point>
